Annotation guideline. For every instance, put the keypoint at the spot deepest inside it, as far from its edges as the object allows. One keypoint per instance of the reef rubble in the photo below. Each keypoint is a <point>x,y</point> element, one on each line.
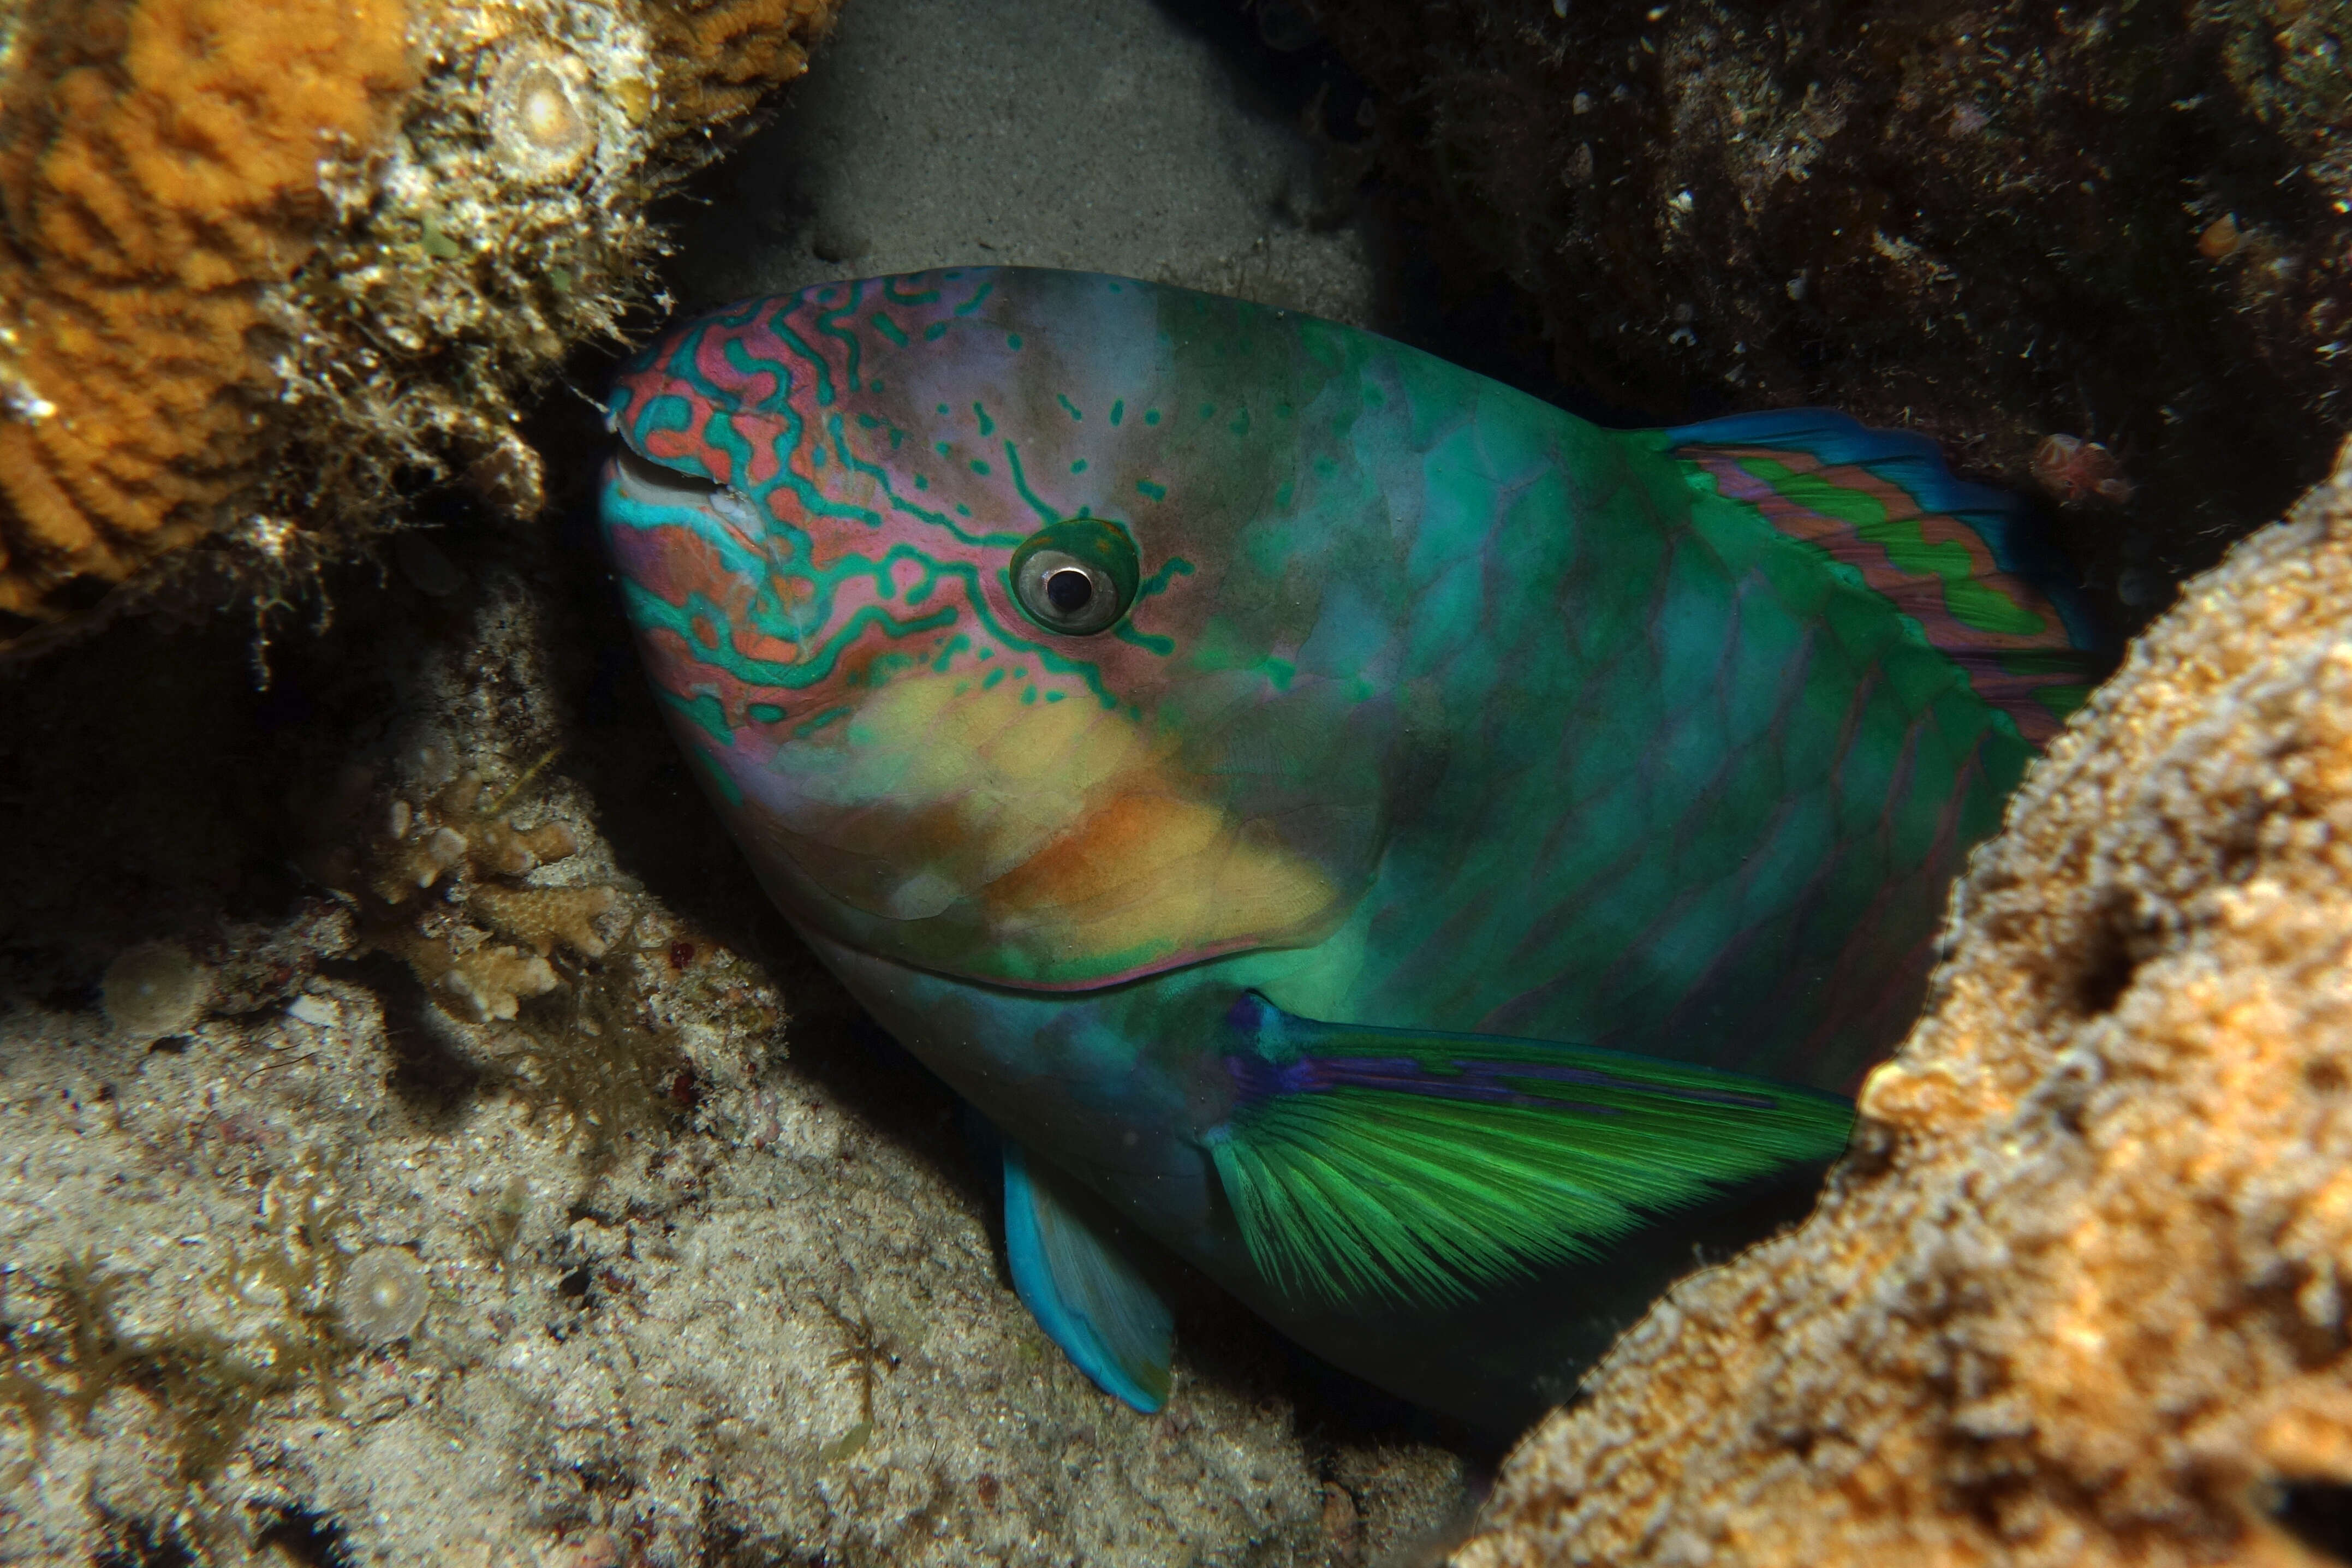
<point>2077,1296</point>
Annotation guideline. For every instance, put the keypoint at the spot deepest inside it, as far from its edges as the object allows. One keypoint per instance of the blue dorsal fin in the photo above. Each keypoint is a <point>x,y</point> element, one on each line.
<point>1367,1162</point>
<point>1085,1292</point>
<point>1967,563</point>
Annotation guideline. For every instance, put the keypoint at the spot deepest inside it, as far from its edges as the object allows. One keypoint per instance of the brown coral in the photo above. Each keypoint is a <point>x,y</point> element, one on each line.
<point>721,56</point>
<point>159,167</point>
<point>2079,1295</point>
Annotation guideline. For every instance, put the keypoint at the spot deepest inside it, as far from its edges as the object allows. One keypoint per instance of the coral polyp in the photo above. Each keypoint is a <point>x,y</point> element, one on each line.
<point>540,120</point>
<point>154,989</point>
<point>383,1295</point>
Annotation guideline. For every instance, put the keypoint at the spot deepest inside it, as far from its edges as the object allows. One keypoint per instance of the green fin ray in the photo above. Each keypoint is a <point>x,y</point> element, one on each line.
<point>1422,1167</point>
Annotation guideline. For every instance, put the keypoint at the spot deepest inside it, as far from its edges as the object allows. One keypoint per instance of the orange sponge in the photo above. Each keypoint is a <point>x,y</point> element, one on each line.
<point>160,163</point>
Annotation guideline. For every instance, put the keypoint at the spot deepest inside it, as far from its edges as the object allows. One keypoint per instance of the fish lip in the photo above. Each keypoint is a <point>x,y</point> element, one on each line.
<point>644,480</point>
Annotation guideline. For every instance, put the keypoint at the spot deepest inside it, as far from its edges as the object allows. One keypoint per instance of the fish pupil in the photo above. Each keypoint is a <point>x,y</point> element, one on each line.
<point>1068,589</point>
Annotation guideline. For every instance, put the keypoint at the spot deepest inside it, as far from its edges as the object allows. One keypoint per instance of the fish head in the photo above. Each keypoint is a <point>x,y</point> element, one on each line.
<point>978,599</point>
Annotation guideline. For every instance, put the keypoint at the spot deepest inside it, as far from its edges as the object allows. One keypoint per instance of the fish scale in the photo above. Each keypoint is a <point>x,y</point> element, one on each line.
<point>1437,751</point>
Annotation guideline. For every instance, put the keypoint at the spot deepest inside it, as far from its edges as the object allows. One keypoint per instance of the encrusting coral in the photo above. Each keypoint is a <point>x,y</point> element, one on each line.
<point>2078,1296</point>
<point>265,268</point>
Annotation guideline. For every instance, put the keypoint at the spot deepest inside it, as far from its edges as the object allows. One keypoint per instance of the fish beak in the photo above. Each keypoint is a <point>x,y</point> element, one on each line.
<point>647,483</point>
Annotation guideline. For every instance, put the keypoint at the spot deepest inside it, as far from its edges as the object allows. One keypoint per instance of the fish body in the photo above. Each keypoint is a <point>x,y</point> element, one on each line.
<point>1422,857</point>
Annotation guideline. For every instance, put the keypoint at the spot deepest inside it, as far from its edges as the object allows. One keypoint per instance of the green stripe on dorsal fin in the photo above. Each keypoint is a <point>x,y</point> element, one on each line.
<point>1967,566</point>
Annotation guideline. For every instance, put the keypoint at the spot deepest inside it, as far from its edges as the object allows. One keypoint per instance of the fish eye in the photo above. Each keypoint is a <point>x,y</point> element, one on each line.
<point>1077,577</point>
<point>1069,589</point>
<point>1064,594</point>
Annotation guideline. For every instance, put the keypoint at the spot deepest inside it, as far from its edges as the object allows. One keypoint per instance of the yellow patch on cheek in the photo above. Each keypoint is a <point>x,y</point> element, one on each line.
<point>1056,826</point>
<point>1131,839</point>
<point>953,785</point>
<point>1148,875</point>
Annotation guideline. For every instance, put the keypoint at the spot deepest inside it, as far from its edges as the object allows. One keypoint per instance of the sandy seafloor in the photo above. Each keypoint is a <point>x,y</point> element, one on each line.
<point>1117,136</point>
<point>708,1275</point>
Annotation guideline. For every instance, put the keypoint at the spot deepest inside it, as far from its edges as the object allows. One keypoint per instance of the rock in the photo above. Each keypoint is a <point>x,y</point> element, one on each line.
<point>2078,1294</point>
<point>1116,138</point>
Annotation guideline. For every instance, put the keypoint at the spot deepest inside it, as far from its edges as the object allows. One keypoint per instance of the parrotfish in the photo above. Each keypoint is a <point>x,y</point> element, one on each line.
<point>1426,860</point>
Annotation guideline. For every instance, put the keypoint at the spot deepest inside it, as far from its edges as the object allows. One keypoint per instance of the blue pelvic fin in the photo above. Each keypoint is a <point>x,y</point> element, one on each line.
<point>1365,1164</point>
<point>1087,1294</point>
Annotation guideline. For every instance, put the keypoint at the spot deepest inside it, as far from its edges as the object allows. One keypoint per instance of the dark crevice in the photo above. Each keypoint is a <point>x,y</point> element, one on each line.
<point>307,1539</point>
<point>2318,1514</point>
<point>2111,957</point>
<point>145,1547</point>
<point>436,1084</point>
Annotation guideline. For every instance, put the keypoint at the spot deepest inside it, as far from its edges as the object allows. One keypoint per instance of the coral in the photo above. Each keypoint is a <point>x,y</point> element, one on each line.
<point>383,1295</point>
<point>2071,469</point>
<point>438,884</point>
<point>491,981</point>
<point>154,989</point>
<point>2078,1294</point>
<point>264,270</point>
<point>720,56</point>
<point>546,916</point>
<point>1987,220</point>
<point>458,839</point>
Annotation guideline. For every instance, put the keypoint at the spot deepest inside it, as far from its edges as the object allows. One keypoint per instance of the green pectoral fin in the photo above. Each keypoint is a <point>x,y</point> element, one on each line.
<point>1366,1163</point>
<point>1085,1292</point>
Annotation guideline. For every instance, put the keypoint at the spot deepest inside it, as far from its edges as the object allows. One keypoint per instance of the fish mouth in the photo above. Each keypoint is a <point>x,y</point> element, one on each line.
<point>648,483</point>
